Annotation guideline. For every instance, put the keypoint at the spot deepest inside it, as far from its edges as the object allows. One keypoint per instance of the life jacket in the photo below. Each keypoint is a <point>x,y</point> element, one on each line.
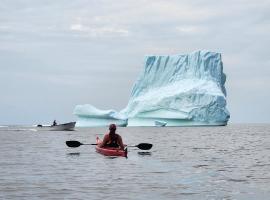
<point>113,141</point>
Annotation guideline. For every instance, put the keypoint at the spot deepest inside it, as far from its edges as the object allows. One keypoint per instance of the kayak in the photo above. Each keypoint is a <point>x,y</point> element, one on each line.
<point>110,151</point>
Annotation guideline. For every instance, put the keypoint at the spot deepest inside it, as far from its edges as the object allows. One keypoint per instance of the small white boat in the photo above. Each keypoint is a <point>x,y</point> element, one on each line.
<point>160,123</point>
<point>58,127</point>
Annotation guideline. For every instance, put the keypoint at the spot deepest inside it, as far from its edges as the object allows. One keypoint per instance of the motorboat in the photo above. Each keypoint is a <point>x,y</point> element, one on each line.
<point>58,127</point>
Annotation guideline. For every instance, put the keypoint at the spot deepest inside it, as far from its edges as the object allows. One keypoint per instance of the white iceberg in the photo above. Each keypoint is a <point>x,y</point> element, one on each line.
<point>179,90</point>
<point>89,116</point>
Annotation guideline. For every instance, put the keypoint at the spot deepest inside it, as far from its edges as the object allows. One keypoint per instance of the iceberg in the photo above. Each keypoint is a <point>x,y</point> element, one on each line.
<point>177,90</point>
<point>90,116</point>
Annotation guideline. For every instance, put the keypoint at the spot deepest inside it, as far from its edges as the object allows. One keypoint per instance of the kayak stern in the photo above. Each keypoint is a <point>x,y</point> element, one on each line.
<point>110,151</point>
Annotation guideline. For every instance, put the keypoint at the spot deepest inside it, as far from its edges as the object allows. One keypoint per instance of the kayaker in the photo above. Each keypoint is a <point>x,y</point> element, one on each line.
<point>112,139</point>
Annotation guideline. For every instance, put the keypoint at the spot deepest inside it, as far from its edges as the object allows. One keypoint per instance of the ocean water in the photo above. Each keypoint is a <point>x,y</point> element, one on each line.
<point>231,162</point>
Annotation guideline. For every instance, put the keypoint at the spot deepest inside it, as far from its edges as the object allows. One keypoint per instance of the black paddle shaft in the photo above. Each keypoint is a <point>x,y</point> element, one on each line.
<point>74,143</point>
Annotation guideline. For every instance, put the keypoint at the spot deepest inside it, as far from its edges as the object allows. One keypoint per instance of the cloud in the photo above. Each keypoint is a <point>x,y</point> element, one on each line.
<point>99,31</point>
<point>98,42</point>
<point>189,29</point>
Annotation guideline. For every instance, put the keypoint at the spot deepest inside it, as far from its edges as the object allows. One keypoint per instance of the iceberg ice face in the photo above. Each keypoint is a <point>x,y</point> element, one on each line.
<point>179,90</point>
<point>173,90</point>
<point>90,116</point>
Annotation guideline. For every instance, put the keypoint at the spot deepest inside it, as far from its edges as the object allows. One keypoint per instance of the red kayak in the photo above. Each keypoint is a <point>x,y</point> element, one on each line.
<point>110,151</point>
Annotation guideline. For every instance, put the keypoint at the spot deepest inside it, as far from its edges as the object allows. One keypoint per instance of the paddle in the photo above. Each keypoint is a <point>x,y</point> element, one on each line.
<point>73,143</point>
<point>142,146</point>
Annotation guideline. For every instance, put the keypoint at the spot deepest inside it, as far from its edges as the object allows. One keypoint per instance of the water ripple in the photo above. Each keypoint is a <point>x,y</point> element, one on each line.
<point>230,162</point>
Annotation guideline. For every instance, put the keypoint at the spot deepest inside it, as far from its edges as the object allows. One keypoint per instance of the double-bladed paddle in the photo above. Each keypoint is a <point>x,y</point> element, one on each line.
<point>74,143</point>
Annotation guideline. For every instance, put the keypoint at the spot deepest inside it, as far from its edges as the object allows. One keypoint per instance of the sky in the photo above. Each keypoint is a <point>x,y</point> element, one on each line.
<point>55,55</point>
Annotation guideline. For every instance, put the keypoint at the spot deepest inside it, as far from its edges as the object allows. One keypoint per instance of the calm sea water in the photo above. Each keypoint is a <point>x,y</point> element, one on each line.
<point>231,162</point>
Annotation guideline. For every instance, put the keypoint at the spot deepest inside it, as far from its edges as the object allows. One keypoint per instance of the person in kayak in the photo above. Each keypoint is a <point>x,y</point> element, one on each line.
<point>112,139</point>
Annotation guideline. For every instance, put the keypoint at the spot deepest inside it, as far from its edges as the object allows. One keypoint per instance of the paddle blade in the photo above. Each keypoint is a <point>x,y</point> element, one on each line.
<point>144,146</point>
<point>73,143</point>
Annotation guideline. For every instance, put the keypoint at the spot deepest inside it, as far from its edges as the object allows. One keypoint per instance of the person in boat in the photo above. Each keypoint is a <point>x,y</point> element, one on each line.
<point>112,139</point>
<point>54,123</point>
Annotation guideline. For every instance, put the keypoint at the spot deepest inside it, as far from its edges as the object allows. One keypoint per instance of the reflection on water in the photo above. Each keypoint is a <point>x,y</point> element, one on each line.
<point>145,153</point>
<point>73,154</point>
<point>113,157</point>
<point>231,162</point>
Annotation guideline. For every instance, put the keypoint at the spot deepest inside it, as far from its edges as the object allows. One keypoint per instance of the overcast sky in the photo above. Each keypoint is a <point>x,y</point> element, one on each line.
<point>55,55</point>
